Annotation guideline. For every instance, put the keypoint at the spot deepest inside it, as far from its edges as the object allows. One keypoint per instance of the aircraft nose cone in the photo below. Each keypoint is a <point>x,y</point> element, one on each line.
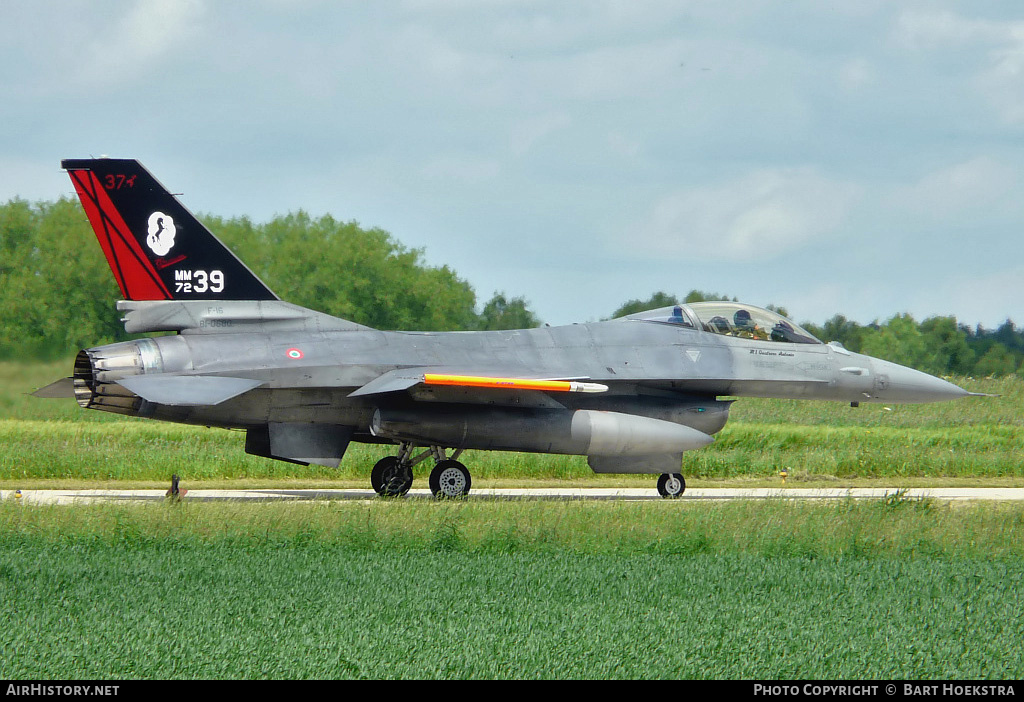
<point>896,383</point>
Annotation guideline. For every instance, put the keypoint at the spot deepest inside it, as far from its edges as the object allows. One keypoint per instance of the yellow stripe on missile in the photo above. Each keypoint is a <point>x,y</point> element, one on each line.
<point>477,381</point>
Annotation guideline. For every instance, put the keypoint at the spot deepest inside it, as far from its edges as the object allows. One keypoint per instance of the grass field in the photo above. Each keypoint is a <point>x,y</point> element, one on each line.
<point>889,589</point>
<point>893,588</point>
<point>169,611</point>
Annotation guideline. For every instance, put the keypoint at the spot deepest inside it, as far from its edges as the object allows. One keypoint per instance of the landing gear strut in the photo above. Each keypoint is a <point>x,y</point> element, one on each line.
<point>392,476</point>
<point>671,485</point>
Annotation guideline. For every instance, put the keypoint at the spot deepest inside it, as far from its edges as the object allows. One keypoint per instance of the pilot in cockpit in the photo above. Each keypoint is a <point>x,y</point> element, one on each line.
<point>746,327</point>
<point>784,331</point>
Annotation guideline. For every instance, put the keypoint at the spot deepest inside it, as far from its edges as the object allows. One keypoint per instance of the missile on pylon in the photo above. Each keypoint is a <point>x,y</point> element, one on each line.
<point>478,381</point>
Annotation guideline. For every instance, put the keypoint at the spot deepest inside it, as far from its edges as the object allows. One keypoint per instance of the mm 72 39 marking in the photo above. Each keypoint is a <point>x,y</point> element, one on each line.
<point>198,281</point>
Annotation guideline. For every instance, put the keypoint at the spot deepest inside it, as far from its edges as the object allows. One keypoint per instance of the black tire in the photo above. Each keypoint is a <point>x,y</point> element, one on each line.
<point>671,485</point>
<point>389,478</point>
<point>450,479</point>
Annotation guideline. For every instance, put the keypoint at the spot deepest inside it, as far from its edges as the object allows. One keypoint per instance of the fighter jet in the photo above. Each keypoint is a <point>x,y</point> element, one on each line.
<point>631,394</point>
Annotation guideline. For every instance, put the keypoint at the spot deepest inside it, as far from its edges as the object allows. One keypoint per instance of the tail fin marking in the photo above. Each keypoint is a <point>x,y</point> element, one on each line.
<point>156,248</point>
<point>131,267</point>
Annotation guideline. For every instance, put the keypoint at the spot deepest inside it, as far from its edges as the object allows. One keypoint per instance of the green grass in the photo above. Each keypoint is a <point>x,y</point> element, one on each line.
<point>317,611</point>
<point>894,527</point>
<point>394,589</point>
<point>807,451</point>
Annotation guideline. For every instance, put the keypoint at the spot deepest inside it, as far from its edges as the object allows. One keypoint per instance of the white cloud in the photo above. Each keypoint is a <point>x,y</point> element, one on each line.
<point>856,73</point>
<point>1003,81</point>
<point>529,131</point>
<point>759,216</point>
<point>624,145</point>
<point>1000,72</point>
<point>934,29</point>
<point>464,167</point>
<point>968,186</point>
<point>149,31</point>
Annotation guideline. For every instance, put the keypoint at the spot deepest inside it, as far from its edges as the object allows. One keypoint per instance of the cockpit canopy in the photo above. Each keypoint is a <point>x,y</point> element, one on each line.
<point>730,319</point>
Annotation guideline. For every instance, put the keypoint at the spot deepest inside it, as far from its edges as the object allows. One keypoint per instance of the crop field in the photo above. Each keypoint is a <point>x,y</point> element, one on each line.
<point>392,589</point>
<point>894,588</point>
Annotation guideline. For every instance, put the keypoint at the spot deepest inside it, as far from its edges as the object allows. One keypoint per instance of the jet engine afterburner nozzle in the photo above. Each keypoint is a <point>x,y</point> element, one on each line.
<point>97,371</point>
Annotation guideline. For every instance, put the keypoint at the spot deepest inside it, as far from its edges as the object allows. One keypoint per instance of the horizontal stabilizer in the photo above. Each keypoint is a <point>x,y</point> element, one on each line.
<point>188,390</point>
<point>65,387</point>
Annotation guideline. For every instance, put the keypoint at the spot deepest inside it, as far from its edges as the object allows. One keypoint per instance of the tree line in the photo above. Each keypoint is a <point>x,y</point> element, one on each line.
<point>57,294</point>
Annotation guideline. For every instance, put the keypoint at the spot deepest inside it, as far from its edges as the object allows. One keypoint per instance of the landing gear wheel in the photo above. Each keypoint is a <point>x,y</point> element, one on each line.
<point>449,479</point>
<point>671,485</point>
<point>390,478</point>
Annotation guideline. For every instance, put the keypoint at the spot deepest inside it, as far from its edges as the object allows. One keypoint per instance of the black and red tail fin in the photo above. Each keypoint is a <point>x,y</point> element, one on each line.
<point>156,248</point>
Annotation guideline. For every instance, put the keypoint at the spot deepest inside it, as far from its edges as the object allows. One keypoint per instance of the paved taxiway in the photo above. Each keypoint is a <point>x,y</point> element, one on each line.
<point>71,497</point>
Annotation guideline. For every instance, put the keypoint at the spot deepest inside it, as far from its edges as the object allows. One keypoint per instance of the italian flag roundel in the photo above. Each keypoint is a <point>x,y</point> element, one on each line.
<point>294,354</point>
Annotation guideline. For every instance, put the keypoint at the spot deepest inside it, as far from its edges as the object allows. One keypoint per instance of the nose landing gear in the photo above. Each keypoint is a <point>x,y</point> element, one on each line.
<point>671,485</point>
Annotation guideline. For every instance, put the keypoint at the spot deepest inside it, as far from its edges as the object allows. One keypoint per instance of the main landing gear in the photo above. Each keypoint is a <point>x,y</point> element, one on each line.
<point>671,485</point>
<point>392,476</point>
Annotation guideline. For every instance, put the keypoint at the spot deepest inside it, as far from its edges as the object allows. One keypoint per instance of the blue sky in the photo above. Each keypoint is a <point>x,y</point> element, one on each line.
<point>858,157</point>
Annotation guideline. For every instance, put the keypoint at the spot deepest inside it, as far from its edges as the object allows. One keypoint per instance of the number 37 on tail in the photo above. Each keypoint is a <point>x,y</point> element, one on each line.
<point>631,394</point>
